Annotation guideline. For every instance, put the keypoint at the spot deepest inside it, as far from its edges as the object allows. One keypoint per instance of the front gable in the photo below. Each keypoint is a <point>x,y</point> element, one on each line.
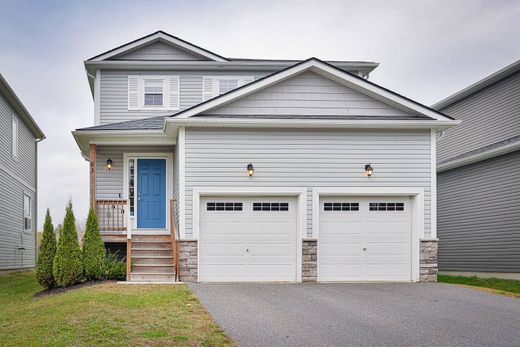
<point>314,88</point>
<point>309,94</point>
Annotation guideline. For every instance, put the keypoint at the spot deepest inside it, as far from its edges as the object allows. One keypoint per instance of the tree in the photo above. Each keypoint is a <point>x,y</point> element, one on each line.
<point>46,255</point>
<point>93,248</point>
<point>68,267</point>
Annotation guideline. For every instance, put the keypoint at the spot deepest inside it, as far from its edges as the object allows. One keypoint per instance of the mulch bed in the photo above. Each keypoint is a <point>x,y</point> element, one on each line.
<point>66,289</point>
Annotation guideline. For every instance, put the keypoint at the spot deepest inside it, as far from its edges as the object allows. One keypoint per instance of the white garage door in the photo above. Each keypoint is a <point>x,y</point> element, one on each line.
<point>247,239</point>
<point>365,239</point>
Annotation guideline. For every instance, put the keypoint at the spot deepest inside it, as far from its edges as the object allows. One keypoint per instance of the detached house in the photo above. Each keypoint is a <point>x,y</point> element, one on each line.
<point>207,168</point>
<point>479,183</point>
<point>19,137</point>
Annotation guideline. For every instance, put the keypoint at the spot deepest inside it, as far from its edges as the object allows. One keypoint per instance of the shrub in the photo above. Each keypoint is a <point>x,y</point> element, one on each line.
<point>46,255</point>
<point>114,269</point>
<point>93,248</point>
<point>68,267</point>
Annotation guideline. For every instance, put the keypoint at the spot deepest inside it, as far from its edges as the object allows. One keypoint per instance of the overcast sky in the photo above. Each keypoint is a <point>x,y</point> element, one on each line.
<point>427,50</point>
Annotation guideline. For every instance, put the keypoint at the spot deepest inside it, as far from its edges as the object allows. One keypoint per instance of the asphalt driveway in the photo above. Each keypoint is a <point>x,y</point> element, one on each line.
<point>362,314</point>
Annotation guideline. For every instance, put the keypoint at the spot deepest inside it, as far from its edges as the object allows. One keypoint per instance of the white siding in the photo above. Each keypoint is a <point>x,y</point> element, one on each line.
<point>114,92</point>
<point>308,94</point>
<point>159,51</point>
<point>310,158</point>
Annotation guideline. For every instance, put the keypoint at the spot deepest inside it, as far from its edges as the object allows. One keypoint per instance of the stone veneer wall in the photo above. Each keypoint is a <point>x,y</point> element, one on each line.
<point>428,261</point>
<point>310,261</point>
<point>188,266</point>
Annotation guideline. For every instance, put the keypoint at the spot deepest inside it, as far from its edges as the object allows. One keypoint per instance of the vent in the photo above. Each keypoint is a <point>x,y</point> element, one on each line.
<point>270,206</point>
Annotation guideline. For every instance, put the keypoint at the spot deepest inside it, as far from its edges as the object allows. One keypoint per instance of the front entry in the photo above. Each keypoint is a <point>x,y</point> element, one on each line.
<point>151,193</point>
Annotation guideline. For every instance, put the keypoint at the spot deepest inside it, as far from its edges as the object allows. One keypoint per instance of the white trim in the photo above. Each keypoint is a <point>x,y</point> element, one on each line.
<point>181,143</point>
<point>97,98</point>
<point>417,195</point>
<point>159,36</point>
<point>326,71</point>
<point>166,92</point>
<point>31,213</point>
<point>300,193</point>
<point>433,181</point>
<point>305,123</point>
<point>132,221</point>
<point>475,158</point>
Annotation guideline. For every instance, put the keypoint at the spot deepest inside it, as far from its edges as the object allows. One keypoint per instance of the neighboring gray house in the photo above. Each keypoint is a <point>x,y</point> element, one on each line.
<point>19,137</point>
<point>258,170</point>
<point>478,168</point>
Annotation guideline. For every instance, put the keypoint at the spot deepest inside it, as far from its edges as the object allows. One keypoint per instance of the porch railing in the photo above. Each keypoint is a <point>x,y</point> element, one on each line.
<point>111,215</point>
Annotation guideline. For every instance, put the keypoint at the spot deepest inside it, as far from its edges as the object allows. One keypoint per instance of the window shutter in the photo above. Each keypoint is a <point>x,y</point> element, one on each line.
<point>248,79</point>
<point>133,93</point>
<point>207,88</point>
<point>173,92</point>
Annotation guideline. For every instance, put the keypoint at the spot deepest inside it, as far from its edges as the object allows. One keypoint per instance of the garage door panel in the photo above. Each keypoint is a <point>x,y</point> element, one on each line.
<point>248,245</point>
<point>371,244</point>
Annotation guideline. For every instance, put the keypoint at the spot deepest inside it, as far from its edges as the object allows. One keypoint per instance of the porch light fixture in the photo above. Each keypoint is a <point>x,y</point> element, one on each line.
<point>250,170</point>
<point>109,164</point>
<point>368,170</point>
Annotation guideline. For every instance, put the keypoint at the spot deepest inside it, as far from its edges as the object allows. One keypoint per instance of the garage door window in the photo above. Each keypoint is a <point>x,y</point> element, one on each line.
<point>341,206</point>
<point>224,206</point>
<point>386,206</point>
<point>270,206</point>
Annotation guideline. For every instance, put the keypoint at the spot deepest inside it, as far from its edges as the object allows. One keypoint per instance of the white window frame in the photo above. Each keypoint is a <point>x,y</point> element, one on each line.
<point>15,137</point>
<point>171,90</point>
<point>215,84</point>
<point>163,102</point>
<point>29,217</point>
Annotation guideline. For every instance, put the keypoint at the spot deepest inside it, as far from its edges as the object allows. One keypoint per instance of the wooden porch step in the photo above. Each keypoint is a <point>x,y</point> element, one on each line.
<point>151,277</point>
<point>152,252</point>
<point>148,245</point>
<point>151,238</point>
<point>153,268</point>
<point>152,260</point>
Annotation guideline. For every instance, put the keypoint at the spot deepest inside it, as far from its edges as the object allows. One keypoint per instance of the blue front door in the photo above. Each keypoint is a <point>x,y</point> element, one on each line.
<point>151,193</point>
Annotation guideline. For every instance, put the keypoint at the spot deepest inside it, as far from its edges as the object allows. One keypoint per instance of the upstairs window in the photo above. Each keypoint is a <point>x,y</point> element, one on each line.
<point>15,137</point>
<point>27,215</point>
<point>213,86</point>
<point>153,92</point>
<point>146,93</point>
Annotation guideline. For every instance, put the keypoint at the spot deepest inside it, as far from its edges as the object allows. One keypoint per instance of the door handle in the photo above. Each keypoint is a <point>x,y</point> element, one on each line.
<point>247,249</point>
<point>364,248</point>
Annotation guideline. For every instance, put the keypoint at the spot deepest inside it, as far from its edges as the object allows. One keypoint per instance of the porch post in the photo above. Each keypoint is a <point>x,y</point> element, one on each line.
<point>92,176</point>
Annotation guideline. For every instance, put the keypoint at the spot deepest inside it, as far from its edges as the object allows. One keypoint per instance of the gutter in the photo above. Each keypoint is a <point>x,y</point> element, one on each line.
<point>308,123</point>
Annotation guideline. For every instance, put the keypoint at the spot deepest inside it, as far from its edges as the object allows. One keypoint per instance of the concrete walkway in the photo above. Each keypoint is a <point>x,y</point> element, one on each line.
<point>362,314</point>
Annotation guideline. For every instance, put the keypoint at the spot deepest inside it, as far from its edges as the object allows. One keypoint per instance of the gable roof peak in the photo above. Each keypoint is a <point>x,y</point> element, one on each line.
<point>158,35</point>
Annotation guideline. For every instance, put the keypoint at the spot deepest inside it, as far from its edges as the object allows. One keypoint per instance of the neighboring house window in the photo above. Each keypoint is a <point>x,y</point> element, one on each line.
<point>153,93</point>
<point>27,216</point>
<point>15,138</point>
<point>217,85</point>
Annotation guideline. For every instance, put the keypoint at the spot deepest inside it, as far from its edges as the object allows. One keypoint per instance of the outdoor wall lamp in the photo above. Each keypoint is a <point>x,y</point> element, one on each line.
<point>109,164</point>
<point>250,170</point>
<point>368,170</point>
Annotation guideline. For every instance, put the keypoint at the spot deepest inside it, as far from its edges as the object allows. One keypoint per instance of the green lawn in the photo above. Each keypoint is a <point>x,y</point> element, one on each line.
<point>506,286</point>
<point>102,315</point>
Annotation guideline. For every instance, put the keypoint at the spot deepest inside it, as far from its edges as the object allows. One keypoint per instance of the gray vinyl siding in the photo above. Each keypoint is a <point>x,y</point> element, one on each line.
<point>479,216</point>
<point>159,51</point>
<point>310,158</point>
<point>109,183</point>
<point>308,94</point>
<point>114,92</point>
<point>17,176</point>
<point>488,116</point>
